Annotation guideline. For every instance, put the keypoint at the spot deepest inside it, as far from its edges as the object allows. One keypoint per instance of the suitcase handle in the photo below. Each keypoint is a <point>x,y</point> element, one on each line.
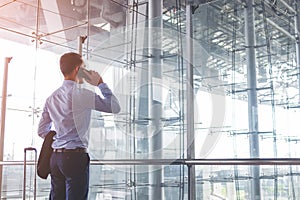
<point>29,149</point>
<point>24,183</point>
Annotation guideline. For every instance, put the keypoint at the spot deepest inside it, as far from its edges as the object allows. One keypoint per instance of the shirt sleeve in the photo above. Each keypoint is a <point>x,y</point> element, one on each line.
<point>45,123</point>
<point>109,103</point>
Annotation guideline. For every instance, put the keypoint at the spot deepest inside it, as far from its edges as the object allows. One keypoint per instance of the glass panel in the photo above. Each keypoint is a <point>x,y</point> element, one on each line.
<point>109,182</point>
<point>146,68</point>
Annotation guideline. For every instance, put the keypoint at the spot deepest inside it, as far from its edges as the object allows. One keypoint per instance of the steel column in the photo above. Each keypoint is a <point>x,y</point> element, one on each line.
<point>155,97</point>
<point>190,102</point>
<point>252,96</point>
<point>297,34</point>
<point>3,113</point>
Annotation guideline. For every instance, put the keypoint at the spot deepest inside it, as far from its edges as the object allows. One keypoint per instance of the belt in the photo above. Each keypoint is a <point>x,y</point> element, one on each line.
<point>78,150</point>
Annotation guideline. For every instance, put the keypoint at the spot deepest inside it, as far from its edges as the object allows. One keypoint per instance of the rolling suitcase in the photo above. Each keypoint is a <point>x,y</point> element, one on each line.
<point>24,174</point>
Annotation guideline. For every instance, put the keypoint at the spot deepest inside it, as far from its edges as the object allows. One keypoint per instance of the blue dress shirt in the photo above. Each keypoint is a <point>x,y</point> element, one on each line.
<point>69,108</point>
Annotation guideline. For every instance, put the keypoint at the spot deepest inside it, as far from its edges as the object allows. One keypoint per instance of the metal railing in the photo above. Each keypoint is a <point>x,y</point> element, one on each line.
<point>221,161</point>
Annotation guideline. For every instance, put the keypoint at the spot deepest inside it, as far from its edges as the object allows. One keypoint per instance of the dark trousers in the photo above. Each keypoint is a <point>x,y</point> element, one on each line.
<point>69,176</point>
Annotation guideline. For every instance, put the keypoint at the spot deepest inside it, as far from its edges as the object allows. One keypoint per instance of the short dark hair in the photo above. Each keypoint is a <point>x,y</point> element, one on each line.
<point>69,61</point>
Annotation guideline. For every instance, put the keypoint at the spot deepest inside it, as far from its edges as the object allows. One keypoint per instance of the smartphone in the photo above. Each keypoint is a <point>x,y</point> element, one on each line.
<point>82,73</point>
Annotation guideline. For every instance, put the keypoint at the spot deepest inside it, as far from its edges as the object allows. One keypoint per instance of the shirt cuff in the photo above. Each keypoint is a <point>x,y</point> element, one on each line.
<point>102,85</point>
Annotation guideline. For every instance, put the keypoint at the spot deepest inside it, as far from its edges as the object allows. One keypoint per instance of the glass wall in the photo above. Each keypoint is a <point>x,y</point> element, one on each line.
<point>145,64</point>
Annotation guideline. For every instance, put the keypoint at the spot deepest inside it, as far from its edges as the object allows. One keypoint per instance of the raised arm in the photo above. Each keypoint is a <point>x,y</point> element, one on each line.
<point>109,103</point>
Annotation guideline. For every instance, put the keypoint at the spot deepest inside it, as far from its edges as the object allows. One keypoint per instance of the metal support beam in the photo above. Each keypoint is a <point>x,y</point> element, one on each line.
<point>190,102</point>
<point>297,34</point>
<point>3,112</point>
<point>282,30</point>
<point>155,97</point>
<point>81,40</point>
<point>252,96</point>
<point>138,109</point>
<point>288,6</point>
<point>274,24</point>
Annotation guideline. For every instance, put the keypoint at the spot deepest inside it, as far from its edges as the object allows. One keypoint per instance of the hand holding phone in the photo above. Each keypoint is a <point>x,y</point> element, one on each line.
<point>90,76</point>
<point>83,73</point>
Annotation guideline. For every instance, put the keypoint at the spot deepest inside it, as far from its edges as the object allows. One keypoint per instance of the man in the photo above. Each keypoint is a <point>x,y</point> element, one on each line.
<point>68,109</point>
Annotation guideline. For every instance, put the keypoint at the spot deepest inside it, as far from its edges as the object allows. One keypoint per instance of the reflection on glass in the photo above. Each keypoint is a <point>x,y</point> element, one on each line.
<point>121,55</point>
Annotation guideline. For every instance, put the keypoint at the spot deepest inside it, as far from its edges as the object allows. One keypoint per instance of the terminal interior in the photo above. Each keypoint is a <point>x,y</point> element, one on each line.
<point>209,94</point>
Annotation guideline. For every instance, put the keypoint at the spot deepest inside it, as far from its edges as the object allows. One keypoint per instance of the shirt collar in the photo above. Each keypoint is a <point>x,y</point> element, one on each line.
<point>68,83</point>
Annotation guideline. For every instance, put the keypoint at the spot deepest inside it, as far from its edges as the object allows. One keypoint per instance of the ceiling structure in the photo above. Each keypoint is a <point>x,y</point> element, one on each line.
<point>220,27</point>
<point>58,23</point>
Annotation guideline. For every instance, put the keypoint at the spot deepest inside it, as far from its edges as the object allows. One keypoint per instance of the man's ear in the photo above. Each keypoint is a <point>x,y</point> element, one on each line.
<point>77,68</point>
